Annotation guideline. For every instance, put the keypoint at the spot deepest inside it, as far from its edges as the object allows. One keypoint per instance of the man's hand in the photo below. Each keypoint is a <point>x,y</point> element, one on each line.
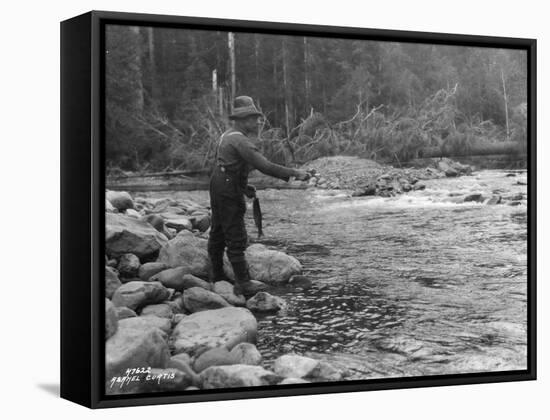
<point>302,175</point>
<point>250,191</point>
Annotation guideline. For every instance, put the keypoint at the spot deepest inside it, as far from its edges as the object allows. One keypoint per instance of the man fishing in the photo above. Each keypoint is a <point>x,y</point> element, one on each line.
<point>236,156</point>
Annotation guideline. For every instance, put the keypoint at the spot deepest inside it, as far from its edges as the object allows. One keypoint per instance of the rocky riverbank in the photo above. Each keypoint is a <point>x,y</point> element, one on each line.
<point>367,177</point>
<point>166,327</point>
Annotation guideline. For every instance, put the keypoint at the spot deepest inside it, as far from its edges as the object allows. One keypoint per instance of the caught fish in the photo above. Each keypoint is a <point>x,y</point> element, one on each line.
<point>257,211</point>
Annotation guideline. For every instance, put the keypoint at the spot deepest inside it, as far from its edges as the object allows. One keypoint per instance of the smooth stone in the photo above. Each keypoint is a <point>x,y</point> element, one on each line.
<point>246,354</point>
<point>181,278</point>
<point>327,372</point>
<point>124,235</point>
<point>123,312</point>
<point>478,198</point>
<point>121,200</point>
<point>295,366</point>
<point>135,345</point>
<point>225,290</point>
<point>236,376</point>
<point>419,187</point>
<point>299,281</point>
<point>264,302</point>
<point>364,191</point>
<point>148,270</point>
<point>177,222</point>
<point>218,356</point>
<point>128,265</point>
<point>112,282</point>
<point>201,222</point>
<point>151,321</point>
<point>186,249</point>
<point>162,310</point>
<point>205,330</point>
<point>109,208</point>
<point>137,294</point>
<point>132,213</point>
<point>198,299</point>
<point>154,220</point>
<point>268,266</point>
<point>111,319</point>
<point>182,362</point>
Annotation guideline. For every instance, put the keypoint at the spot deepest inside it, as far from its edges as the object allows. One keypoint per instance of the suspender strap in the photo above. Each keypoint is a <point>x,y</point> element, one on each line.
<point>220,144</point>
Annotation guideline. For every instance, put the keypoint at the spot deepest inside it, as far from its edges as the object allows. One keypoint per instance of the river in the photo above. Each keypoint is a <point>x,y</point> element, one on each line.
<point>419,284</point>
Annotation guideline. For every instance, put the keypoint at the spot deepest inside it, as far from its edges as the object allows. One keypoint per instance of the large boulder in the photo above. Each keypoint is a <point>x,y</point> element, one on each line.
<point>125,234</point>
<point>268,266</point>
<point>186,250</point>
<point>205,330</point>
<point>198,299</point>
<point>128,265</point>
<point>135,345</point>
<point>148,270</point>
<point>295,366</point>
<point>180,278</point>
<point>237,376</point>
<point>121,200</point>
<point>111,319</point>
<point>112,282</point>
<point>137,294</point>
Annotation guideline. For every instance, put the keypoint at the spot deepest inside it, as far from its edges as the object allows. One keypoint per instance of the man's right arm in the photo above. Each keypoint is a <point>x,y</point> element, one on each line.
<point>250,153</point>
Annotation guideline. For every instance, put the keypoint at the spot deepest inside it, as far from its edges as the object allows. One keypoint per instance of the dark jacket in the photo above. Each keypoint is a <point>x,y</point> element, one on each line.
<point>238,155</point>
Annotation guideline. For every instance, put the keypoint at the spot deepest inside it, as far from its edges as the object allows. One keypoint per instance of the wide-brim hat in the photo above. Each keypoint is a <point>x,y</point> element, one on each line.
<point>243,106</point>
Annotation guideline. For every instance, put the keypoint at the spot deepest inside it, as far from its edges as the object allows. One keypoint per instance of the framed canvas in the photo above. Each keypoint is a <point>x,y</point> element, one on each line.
<point>258,209</point>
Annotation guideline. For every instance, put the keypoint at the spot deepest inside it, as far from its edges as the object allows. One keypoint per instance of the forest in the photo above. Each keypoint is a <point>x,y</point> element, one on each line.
<point>169,91</point>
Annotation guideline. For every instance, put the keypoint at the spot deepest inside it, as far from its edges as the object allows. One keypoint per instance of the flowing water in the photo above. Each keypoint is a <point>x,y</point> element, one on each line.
<point>418,284</point>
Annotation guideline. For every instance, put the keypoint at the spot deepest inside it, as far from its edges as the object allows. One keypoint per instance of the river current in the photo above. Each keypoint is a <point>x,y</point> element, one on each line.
<point>418,284</point>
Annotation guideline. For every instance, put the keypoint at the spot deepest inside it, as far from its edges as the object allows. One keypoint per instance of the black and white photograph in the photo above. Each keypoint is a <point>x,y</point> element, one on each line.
<point>287,209</point>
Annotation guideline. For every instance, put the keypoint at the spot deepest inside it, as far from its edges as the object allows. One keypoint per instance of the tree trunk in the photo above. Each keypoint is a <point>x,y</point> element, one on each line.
<point>288,97</point>
<point>306,76</point>
<point>286,88</point>
<point>136,68</point>
<point>505,104</point>
<point>152,63</point>
<point>231,44</point>
<point>256,63</point>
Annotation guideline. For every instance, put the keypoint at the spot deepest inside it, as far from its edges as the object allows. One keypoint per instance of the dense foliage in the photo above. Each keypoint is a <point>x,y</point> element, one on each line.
<point>321,96</point>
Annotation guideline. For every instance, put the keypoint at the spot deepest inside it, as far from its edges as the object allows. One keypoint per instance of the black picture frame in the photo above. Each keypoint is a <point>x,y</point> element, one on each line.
<point>83,212</point>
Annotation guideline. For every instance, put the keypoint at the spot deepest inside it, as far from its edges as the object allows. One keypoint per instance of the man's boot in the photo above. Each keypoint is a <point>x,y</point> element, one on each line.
<point>243,285</point>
